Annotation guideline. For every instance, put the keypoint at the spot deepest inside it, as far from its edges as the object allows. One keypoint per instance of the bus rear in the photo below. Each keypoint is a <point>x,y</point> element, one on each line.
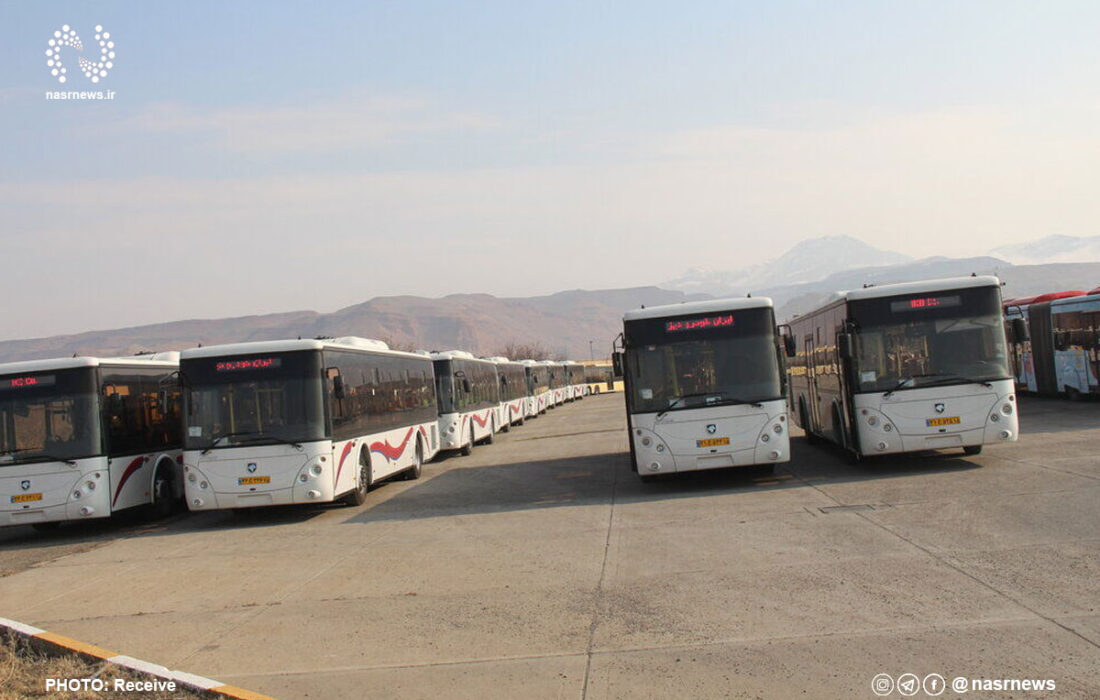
<point>704,386</point>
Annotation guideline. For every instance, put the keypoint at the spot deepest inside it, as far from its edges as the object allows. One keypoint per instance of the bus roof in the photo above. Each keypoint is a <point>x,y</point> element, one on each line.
<point>698,307</point>
<point>265,346</point>
<point>903,288</point>
<point>160,359</point>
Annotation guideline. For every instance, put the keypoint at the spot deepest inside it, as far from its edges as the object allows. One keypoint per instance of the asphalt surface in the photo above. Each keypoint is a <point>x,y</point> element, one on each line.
<point>542,567</point>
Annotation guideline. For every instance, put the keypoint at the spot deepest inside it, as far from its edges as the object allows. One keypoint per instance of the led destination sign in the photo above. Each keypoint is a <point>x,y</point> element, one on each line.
<point>698,324</point>
<point>26,382</point>
<point>241,365</point>
<point>941,302</point>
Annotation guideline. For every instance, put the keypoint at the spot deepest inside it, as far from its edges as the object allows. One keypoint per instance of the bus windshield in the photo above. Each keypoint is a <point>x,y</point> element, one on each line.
<point>253,400</point>
<point>932,339</point>
<point>444,386</point>
<point>674,369</point>
<point>49,416</point>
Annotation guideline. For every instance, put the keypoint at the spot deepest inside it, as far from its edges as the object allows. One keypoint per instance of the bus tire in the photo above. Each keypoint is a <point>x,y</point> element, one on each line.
<point>358,495</point>
<point>804,421</point>
<point>972,450</point>
<point>164,496</point>
<point>507,427</point>
<point>492,432</point>
<point>522,417</point>
<point>413,473</point>
<point>468,448</point>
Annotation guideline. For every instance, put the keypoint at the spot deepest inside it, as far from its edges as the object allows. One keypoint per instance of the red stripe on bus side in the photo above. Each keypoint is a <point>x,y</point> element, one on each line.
<point>132,467</point>
<point>392,452</point>
<point>343,456</point>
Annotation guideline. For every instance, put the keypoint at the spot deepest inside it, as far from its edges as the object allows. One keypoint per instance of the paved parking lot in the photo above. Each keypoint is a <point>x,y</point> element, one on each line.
<point>542,567</point>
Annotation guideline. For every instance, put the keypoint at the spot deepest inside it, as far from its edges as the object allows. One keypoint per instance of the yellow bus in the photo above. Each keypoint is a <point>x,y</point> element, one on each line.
<point>599,377</point>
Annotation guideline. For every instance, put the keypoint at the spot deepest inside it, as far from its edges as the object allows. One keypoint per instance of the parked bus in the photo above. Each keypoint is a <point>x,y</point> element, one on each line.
<point>303,421</point>
<point>599,377</point>
<point>513,393</point>
<point>1055,342</point>
<point>539,393</point>
<point>86,437</point>
<point>557,382</point>
<point>469,399</point>
<point>575,386</point>
<point>906,367</point>
<point>705,387</point>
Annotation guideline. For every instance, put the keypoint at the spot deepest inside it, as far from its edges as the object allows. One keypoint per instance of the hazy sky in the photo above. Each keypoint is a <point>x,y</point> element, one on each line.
<point>264,156</point>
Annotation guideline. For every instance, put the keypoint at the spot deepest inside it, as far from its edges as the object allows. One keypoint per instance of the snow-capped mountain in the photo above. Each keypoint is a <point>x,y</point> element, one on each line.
<point>808,261</point>
<point>1052,249</point>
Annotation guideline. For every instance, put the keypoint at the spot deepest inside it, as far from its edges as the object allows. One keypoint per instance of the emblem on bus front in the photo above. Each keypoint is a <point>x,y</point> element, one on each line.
<point>251,467</point>
<point>25,485</point>
<point>939,408</point>
<point>712,428</point>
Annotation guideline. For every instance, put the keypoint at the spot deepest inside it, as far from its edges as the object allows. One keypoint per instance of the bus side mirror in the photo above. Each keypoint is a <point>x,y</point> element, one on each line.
<point>788,345</point>
<point>844,345</point>
<point>338,388</point>
<point>1019,330</point>
<point>466,385</point>
<point>617,364</point>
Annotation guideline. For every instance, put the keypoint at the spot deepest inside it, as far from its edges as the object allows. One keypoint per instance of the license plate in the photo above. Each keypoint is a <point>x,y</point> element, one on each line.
<point>26,498</point>
<point>712,442</point>
<point>935,422</point>
<point>253,480</point>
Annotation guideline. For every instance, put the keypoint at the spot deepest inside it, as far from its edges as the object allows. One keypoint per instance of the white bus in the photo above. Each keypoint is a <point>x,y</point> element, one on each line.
<point>556,378</point>
<point>303,421</point>
<point>906,367</point>
<point>705,387</point>
<point>538,387</point>
<point>513,393</point>
<point>575,385</point>
<point>469,400</point>
<point>85,437</point>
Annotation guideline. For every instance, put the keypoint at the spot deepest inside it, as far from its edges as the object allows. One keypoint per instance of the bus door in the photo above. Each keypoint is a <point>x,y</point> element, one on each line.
<point>812,398</point>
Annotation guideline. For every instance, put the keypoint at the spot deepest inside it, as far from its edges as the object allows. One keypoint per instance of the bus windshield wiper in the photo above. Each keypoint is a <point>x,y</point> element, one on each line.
<point>942,376</point>
<point>253,434</point>
<point>721,402</point>
<point>11,454</point>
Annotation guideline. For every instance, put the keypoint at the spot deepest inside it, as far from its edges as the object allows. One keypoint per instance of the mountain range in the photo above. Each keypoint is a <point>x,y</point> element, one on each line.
<point>581,324</point>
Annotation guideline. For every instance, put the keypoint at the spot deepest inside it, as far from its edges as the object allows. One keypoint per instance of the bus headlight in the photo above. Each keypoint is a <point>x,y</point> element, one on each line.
<point>316,469</point>
<point>660,448</point>
<point>655,466</point>
<point>191,477</point>
<point>646,441</point>
<point>303,478</point>
<point>887,427</point>
<point>77,494</point>
<point>765,437</point>
<point>774,454</point>
<point>1006,434</point>
<point>777,429</point>
<point>86,510</point>
<point>1007,409</point>
<point>197,502</point>
<point>882,446</point>
<point>203,485</point>
<point>90,485</point>
<point>871,420</point>
<point>994,418</point>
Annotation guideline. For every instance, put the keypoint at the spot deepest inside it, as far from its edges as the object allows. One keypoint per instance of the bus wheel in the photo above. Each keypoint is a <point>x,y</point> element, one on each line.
<point>46,527</point>
<point>414,472</point>
<point>804,421</point>
<point>972,450</point>
<point>507,427</point>
<point>164,492</point>
<point>522,417</point>
<point>359,495</point>
<point>492,432</point>
<point>468,448</point>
